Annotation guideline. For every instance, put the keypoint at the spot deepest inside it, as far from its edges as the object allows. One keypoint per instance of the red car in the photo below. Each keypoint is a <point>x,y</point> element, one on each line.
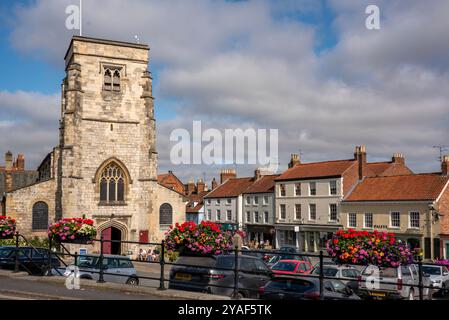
<point>292,267</point>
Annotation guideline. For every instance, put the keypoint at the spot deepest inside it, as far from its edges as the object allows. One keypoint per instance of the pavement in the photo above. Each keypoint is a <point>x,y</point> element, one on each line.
<point>25,287</point>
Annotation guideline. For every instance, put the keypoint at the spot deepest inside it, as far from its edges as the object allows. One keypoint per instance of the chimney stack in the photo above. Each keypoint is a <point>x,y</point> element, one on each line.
<point>227,174</point>
<point>8,161</point>
<point>398,158</point>
<point>294,160</point>
<point>214,184</point>
<point>200,185</point>
<point>445,166</point>
<point>257,174</point>
<point>190,187</point>
<point>360,156</point>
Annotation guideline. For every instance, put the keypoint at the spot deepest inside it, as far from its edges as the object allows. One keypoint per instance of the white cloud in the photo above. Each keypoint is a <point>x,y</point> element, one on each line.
<point>232,63</point>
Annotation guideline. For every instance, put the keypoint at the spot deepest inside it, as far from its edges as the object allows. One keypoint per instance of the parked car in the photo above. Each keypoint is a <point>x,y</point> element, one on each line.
<point>202,276</point>
<point>344,273</point>
<point>256,253</point>
<point>117,269</point>
<point>300,288</point>
<point>287,256</point>
<point>439,277</point>
<point>392,283</point>
<point>326,262</point>
<point>32,260</point>
<point>293,267</point>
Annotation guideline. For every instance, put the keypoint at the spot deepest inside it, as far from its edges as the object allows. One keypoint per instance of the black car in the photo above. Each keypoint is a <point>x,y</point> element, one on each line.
<point>32,260</point>
<point>302,288</point>
<point>215,274</point>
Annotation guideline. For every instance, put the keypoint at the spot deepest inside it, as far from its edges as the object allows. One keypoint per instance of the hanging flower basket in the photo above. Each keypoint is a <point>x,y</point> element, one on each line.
<point>198,240</point>
<point>73,230</point>
<point>368,248</point>
<point>7,227</point>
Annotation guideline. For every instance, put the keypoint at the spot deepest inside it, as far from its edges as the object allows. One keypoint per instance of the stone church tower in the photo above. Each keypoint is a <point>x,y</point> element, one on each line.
<point>105,166</point>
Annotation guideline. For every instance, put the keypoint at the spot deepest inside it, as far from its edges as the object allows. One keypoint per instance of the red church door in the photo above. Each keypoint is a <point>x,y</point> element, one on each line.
<point>107,235</point>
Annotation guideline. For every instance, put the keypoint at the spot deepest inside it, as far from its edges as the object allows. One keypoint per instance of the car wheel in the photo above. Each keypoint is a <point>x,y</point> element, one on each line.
<point>411,295</point>
<point>133,281</point>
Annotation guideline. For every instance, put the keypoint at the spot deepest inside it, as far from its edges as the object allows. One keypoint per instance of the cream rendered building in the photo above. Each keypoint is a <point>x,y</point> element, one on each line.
<point>105,166</point>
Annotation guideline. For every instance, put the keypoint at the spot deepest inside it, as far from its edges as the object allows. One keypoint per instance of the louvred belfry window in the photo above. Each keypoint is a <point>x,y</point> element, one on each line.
<point>112,80</point>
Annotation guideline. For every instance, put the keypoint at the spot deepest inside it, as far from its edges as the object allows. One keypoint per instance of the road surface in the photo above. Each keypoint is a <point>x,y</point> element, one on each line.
<point>20,289</point>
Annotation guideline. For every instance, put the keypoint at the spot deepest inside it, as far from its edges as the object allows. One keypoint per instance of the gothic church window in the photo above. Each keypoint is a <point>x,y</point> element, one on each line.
<point>112,184</point>
<point>40,216</point>
<point>165,214</point>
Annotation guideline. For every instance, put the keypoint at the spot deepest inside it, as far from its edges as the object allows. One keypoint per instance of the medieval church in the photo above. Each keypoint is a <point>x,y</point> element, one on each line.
<point>105,166</point>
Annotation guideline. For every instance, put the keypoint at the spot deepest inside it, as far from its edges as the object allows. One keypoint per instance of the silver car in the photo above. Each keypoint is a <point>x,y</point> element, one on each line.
<point>117,269</point>
<point>347,274</point>
<point>439,277</point>
<point>393,283</point>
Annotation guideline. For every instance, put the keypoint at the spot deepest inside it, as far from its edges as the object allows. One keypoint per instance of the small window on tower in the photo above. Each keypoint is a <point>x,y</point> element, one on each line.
<point>112,79</point>
<point>116,81</point>
<point>107,80</point>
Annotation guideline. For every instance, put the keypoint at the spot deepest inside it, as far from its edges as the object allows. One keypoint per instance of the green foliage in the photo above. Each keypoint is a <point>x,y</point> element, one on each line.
<point>35,242</point>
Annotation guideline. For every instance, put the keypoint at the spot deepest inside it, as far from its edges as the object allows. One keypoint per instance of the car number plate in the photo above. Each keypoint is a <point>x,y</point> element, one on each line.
<point>377,294</point>
<point>183,276</point>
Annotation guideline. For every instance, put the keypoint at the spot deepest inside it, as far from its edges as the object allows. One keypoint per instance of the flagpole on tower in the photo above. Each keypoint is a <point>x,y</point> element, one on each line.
<point>81,18</point>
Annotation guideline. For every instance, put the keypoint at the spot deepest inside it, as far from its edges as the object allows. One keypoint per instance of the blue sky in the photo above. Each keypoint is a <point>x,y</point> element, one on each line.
<point>308,68</point>
<point>45,77</point>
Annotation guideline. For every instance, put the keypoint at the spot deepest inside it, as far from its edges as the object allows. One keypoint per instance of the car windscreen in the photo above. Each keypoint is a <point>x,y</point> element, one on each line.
<point>432,270</point>
<point>284,266</point>
<point>87,262</point>
<point>297,285</point>
<point>4,252</point>
<point>327,272</point>
<point>383,272</point>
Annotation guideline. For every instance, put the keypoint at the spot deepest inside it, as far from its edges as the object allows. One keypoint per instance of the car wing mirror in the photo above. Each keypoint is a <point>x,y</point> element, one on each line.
<point>445,273</point>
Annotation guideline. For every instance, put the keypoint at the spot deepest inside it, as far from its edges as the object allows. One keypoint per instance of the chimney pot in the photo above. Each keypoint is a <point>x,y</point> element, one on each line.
<point>445,165</point>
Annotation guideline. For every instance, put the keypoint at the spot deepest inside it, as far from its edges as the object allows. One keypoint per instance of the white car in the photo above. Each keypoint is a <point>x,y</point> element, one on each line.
<point>439,277</point>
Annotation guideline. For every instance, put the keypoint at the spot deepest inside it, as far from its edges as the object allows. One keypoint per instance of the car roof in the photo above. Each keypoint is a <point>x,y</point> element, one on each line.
<point>291,261</point>
<point>116,256</point>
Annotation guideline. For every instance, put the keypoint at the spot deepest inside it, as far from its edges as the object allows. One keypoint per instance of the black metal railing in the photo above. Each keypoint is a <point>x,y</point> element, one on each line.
<point>59,251</point>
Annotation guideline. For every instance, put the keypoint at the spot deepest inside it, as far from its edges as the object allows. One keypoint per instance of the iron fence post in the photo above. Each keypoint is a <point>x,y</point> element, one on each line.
<point>235,294</point>
<point>420,277</point>
<point>16,255</point>
<point>100,261</point>
<point>76,258</point>
<point>49,256</point>
<point>321,276</point>
<point>162,264</point>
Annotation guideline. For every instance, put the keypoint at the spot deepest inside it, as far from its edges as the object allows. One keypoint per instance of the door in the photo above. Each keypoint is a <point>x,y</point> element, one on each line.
<point>107,236</point>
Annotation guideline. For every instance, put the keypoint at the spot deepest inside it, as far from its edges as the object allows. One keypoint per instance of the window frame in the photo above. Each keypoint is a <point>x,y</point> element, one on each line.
<point>297,218</point>
<point>330,212</point>
<point>310,211</point>
<point>364,220</point>
<point>298,188</point>
<point>312,189</point>
<point>35,223</point>
<point>282,190</point>
<point>349,220</point>
<point>410,219</point>
<point>282,205</point>
<point>331,188</point>
<point>391,220</point>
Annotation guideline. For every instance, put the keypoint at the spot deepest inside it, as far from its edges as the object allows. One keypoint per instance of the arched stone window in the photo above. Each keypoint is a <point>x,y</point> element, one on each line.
<point>107,80</point>
<point>116,81</point>
<point>112,184</point>
<point>165,214</point>
<point>112,79</point>
<point>40,216</point>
